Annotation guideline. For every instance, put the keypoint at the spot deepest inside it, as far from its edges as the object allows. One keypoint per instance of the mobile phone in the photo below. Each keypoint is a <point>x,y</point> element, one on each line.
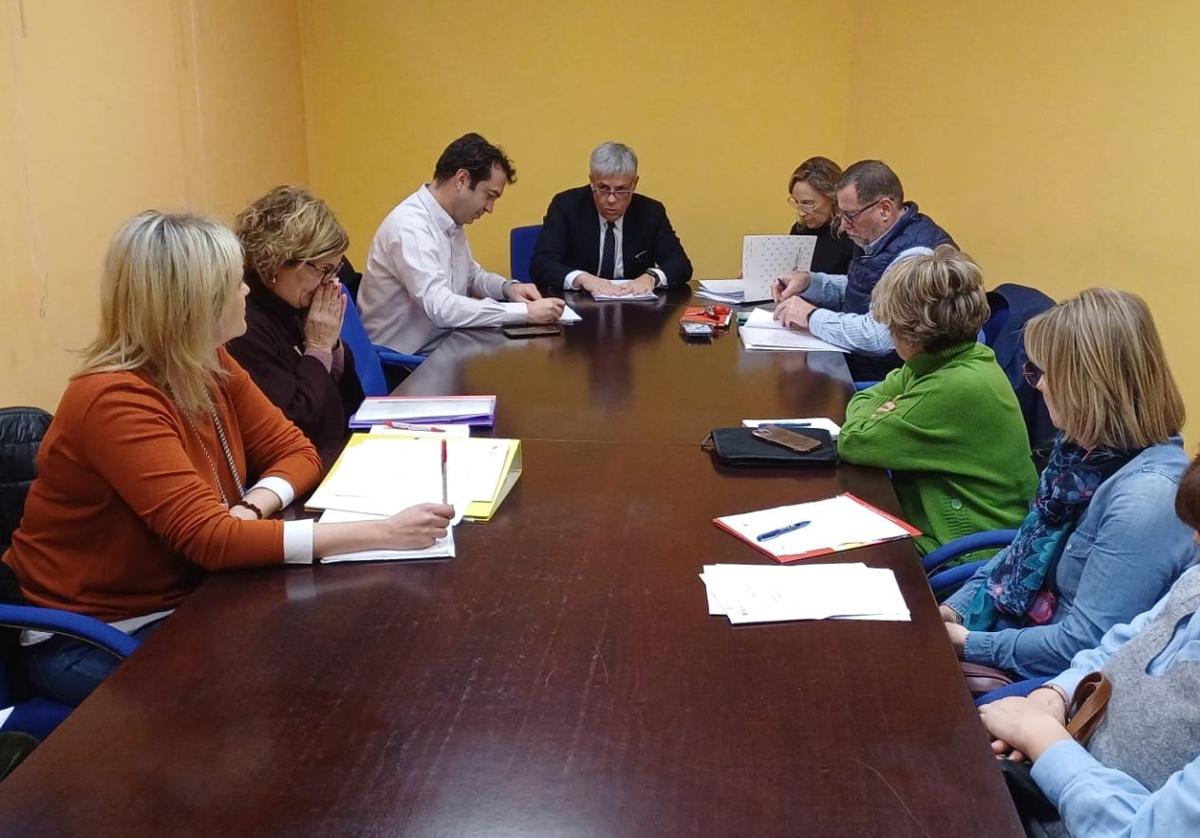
<point>696,330</point>
<point>792,440</point>
<point>531,331</point>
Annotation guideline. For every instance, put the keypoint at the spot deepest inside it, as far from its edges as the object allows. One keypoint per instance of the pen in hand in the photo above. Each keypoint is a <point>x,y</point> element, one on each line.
<point>445,477</point>
<point>769,534</point>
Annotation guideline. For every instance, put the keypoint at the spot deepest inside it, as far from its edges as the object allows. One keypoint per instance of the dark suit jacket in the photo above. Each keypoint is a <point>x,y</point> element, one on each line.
<point>570,240</point>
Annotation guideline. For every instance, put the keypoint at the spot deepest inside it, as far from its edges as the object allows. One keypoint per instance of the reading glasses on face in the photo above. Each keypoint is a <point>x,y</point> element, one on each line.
<point>850,215</point>
<point>326,273</point>
<point>605,192</point>
<point>1032,373</point>
<point>807,206</point>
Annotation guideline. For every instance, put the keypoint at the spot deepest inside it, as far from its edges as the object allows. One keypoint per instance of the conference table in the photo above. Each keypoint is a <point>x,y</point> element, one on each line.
<point>561,676</point>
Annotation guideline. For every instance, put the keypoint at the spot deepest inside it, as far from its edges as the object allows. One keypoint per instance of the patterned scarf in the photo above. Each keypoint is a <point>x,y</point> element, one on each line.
<point>1019,585</point>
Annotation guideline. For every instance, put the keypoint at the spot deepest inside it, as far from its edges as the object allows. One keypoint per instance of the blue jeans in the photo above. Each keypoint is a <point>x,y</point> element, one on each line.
<point>67,669</point>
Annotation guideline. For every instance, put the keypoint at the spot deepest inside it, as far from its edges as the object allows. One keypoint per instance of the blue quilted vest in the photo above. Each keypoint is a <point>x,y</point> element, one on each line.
<point>912,230</point>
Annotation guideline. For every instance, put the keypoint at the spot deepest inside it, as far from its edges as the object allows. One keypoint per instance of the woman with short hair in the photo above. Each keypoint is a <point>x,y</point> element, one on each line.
<point>1102,542</point>
<point>812,195</point>
<point>164,461</point>
<point>294,247</point>
<point>947,423</point>
<point>1139,772</point>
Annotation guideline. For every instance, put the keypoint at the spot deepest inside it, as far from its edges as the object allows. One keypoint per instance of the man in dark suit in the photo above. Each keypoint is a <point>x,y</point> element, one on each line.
<point>604,231</point>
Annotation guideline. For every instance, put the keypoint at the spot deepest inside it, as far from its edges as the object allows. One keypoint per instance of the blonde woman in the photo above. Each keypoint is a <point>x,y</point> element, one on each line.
<point>164,460</point>
<point>294,247</point>
<point>812,193</point>
<point>1102,542</point>
<point>947,423</point>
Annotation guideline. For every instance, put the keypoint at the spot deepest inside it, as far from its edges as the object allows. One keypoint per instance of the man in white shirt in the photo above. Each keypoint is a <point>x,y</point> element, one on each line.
<point>421,278</point>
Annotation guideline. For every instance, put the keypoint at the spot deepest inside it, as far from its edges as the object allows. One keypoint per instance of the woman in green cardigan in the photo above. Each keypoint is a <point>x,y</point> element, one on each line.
<point>946,423</point>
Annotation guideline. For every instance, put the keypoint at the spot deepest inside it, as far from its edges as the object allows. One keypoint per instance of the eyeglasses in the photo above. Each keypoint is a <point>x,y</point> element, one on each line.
<point>326,273</point>
<point>1032,373</point>
<point>850,215</point>
<point>604,192</point>
<point>807,206</point>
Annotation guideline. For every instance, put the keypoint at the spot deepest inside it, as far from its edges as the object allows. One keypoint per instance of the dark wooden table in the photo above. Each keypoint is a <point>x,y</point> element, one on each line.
<point>561,677</point>
<point>626,373</point>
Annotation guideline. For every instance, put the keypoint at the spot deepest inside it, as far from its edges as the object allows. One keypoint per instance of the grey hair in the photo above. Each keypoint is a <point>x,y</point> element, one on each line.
<point>612,158</point>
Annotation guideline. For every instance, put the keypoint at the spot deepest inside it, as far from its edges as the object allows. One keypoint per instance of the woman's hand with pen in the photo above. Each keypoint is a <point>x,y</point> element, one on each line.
<point>416,527</point>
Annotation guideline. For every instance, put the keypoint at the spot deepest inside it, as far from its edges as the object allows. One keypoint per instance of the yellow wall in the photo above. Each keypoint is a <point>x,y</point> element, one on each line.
<point>1056,141</point>
<point>709,95</point>
<point>107,108</point>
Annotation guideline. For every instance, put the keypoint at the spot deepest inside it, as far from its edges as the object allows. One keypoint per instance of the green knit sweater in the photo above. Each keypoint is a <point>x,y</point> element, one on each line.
<point>948,425</point>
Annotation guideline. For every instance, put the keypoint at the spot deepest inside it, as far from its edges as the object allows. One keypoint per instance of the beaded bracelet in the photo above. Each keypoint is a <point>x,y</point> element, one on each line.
<point>257,512</point>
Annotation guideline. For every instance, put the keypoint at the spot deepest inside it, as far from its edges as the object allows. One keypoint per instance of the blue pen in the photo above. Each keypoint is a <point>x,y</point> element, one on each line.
<point>769,534</point>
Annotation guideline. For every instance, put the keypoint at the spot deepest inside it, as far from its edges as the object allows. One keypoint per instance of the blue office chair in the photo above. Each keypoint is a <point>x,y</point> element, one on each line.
<point>369,358</point>
<point>32,713</point>
<point>521,243</point>
<point>947,580</point>
<point>21,432</point>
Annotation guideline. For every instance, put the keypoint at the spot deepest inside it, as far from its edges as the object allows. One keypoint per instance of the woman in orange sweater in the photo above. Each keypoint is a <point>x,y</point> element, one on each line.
<point>164,460</point>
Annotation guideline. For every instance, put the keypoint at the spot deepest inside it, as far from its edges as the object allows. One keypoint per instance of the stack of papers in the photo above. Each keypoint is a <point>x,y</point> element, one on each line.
<point>728,291</point>
<point>449,410</point>
<point>818,422</point>
<point>769,594</point>
<point>645,295</point>
<point>817,528</point>
<point>382,473</point>
<point>763,331</point>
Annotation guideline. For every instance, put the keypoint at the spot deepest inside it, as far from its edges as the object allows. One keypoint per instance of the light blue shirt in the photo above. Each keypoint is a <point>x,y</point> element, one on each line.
<point>1100,802</point>
<point>1127,550</point>
<point>860,333</point>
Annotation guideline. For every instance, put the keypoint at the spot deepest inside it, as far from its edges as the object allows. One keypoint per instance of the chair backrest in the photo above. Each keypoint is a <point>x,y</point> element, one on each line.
<point>21,432</point>
<point>350,278</point>
<point>522,241</point>
<point>366,359</point>
<point>1012,307</point>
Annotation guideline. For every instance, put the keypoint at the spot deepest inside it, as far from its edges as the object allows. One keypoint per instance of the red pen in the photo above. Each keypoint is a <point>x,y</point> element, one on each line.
<point>445,478</point>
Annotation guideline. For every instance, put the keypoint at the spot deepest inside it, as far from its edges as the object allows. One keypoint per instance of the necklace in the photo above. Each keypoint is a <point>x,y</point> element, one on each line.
<point>212,464</point>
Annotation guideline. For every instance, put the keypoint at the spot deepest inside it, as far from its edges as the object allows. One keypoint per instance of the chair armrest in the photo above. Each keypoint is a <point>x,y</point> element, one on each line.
<point>79,626</point>
<point>954,576</point>
<point>1017,688</point>
<point>967,544</point>
<point>398,359</point>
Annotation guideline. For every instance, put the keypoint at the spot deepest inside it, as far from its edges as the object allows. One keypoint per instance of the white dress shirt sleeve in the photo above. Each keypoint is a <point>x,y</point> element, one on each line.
<point>298,541</point>
<point>414,253</point>
<point>569,280</point>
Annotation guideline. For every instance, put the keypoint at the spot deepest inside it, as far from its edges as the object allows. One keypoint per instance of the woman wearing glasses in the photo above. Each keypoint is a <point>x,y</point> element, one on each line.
<point>811,193</point>
<point>1102,541</point>
<point>294,247</point>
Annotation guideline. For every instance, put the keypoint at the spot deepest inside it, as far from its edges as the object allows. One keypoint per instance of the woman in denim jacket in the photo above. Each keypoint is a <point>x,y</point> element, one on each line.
<point>1138,774</point>
<point>1102,542</point>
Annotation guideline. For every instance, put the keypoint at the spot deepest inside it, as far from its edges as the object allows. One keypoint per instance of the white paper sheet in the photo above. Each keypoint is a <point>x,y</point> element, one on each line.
<point>838,523</point>
<point>813,422</point>
<point>765,258</point>
<point>645,295</point>
<point>764,593</point>
<point>762,331</point>
<point>569,316</point>
<point>443,548</point>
